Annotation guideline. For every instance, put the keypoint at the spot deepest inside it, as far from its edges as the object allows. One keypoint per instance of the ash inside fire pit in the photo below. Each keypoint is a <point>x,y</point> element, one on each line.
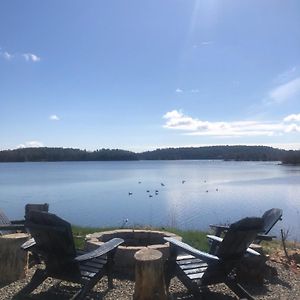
<point>134,241</point>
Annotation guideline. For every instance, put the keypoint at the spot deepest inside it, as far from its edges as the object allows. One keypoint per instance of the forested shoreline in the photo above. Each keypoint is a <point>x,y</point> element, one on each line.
<point>237,153</point>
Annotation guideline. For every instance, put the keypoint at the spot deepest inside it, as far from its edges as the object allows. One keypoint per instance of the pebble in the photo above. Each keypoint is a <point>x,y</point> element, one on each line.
<point>284,286</point>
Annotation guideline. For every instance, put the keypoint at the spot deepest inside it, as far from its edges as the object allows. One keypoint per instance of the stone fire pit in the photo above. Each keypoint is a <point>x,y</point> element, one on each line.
<point>135,240</point>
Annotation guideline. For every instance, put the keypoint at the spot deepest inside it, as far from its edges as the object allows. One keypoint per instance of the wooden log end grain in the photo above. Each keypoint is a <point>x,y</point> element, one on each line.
<point>13,260</point>
<point>149,275</point>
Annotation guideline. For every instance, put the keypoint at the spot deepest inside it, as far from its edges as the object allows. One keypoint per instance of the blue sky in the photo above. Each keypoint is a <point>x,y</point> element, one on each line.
<point>141,75</point>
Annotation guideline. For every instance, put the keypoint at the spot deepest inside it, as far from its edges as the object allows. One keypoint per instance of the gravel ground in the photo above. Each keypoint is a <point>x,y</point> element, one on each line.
<point>284,286</point>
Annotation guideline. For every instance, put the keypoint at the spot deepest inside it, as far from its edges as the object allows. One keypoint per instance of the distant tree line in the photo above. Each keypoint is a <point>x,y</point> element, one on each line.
<point>238,153</point>
<point>217,152</point>
<point>64,154</point>
<point>292,158</point>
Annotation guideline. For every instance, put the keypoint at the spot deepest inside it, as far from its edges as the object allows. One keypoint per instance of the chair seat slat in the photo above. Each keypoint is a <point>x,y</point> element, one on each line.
<point>89,269</point>
<point>96,265</point>
<point>192,266</point>
<point>194,270</point>
<point>87,274</point>
<point>191,261</point>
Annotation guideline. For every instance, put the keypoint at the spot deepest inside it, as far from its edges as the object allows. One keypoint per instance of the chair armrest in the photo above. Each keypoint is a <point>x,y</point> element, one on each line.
<point>224,227</point>
<point>103,249</point>
<point>28,245</point>
<point>17,222</point>
<point>219,240</point>
<point>214,238</point>
<point>195,252</point>
<point>11,227</point>
<point>265,237</point>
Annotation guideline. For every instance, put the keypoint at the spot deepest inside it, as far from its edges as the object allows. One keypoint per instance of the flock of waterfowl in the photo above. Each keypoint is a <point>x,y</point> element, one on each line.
<point>148,191</point>
<point>162,184</point>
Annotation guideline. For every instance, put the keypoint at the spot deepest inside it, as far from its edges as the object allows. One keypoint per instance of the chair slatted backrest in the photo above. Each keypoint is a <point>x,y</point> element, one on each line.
<point>39,207</point>
<point>54,243</point>
<point>238,238</point>
<point>270,218</point>
<point>4,221</point>
<point>3,218</point>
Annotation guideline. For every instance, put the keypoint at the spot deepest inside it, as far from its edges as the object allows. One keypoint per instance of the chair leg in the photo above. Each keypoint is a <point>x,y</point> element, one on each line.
<point>169,272</point>
<point>109,268</point>
<point>191,286</point>
<point>238,289</point>
<point>90,284</point>
<point>86,288</point>
<point>38,277</point>
<point>82,293</point>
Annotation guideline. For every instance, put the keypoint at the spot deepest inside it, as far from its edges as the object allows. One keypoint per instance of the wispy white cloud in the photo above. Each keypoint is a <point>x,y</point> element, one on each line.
<point>31,57</point>
<point>206,43</point>
<point>284,92</point>
<point>286,76</point>
<point>193,126</point>
<point>292,118</point>
<point>6,55</point>
<point>286,146</point>
<point>192,91</point>
<point>54,118</point>
<point>292,128</point>
<point>31,144</point>
<point>203,44</point>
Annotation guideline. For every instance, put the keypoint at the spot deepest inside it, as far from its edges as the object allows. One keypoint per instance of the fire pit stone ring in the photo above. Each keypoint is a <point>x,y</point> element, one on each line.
<point>135,240</point>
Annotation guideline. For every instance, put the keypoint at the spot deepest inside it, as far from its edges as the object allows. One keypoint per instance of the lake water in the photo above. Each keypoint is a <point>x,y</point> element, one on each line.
<point>97,193</point>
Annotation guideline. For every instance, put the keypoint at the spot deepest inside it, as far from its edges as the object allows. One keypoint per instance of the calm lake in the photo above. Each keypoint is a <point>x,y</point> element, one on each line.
<point>190,194</point>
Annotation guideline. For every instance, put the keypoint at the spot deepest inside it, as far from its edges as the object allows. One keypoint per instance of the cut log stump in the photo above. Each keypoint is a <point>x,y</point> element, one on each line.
<point>13,260</point>
<point>253,269</point>
<point>149,275</point>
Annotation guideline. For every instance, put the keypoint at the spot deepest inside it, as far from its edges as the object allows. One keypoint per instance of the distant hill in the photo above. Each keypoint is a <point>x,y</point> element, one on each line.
<point>255,153</point>
<point>64,154</point>
<point>238,153</point>
<point>291,158</point>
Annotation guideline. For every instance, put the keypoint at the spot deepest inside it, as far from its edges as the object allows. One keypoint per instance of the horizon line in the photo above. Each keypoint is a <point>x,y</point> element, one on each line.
<point>293,147</point>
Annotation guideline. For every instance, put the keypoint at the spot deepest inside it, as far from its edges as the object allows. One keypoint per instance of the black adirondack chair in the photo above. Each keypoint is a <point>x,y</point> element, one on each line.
<point>270,218</point>
<point>11,226</point>
<point>197,269</point>
<point>53,242</point>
